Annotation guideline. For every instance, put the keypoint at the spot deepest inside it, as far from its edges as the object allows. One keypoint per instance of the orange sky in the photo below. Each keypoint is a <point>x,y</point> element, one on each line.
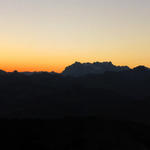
<point>47,35</point>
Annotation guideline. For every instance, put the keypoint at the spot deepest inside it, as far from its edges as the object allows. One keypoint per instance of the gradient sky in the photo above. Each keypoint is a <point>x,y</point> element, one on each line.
<point>51,34</point>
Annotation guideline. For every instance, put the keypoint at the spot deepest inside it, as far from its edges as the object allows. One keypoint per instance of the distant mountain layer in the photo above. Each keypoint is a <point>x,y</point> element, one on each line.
<point>81,69</point>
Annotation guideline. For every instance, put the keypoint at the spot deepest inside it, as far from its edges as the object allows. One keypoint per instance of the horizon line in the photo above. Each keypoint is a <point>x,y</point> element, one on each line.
<point>59,72</point>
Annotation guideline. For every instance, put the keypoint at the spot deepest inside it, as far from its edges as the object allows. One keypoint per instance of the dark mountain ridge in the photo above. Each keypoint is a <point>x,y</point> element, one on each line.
<point>103,110</point>
<point>47,95</point>
<point>82,69</point>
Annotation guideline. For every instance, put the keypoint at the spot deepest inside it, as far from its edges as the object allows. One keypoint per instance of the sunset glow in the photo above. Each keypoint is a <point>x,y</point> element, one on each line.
<point>48,35</point>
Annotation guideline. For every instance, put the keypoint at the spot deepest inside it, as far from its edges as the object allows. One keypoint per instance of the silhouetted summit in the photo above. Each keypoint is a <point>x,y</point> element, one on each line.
<point>42,94</point>
<point>81,69</point>
<point>2,72</point>
<point>92,95</point>
<point>141,68</point>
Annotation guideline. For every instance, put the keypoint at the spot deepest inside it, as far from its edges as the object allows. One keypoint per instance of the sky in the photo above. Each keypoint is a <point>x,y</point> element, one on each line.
<point>48,35</point>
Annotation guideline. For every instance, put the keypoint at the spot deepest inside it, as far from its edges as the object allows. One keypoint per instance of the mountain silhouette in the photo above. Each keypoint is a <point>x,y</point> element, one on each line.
<point>87,106</point>
<point>81,69</point>
<point>78,69</point>
<point>141,68</point>
<point>2,72</point>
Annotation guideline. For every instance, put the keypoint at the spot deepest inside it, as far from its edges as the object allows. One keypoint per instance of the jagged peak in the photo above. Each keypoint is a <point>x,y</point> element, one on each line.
<point>80,69</point>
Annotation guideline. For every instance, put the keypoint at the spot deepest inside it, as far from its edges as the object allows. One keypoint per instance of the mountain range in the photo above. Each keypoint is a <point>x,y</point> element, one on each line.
<point>81,69</point>
<point>78,69</point>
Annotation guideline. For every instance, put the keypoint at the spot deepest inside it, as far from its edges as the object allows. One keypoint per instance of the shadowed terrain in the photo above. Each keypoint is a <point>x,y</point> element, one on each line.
<point>95,111</point>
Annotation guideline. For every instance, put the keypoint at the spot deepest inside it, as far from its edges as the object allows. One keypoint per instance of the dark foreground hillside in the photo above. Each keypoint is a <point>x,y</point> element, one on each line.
<point>78,133</point>
<point>105,111</point>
